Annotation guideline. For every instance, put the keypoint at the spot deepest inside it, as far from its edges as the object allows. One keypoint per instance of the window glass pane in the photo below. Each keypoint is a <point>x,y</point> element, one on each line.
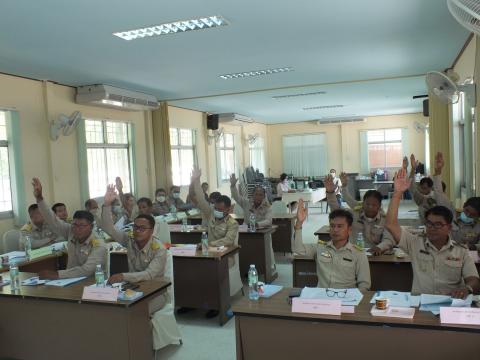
<point>229,140</point>
<point>3,126</point>
<point>376,156</point>
<point>93,131</point>
<point>376,136</point>
<point>97,179</point>
<point>118,165</point>
<point>5,193</point>
<point>394,154</point>
<point>393,135</point>
<point>227,163</point>
<point>176,174</point>
<point>173,137</point>
<point>116,132</point>
<point>186,166</point>
<point>186,138</point>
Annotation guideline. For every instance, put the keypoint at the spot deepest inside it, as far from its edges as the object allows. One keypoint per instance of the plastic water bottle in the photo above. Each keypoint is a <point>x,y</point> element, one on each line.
<point>14,277</point>
<point>204,243</point>
<point>28,246</point>
<point>184,224</point>
<point>253,283</point>
<point>360,240</point>
<point>99,276</point>
<point>173,211</point>
<point>251,223</point>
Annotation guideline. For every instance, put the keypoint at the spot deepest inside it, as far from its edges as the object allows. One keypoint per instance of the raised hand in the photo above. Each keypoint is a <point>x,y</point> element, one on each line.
<point>329,184</point>
<point>196,173</point>
<point>344,178</point>
<point>37,189</point>
<point>439,163</point>
<point>118,183</point>
<point>413,164</point>
<point>110,195</point>
<point>233,180</point>
<point>401,182</point>
<point>405,163</point>
<point>302,213</point>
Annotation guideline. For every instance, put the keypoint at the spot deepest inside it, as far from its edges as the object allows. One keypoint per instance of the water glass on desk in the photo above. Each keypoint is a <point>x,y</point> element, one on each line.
<point>14,277</point>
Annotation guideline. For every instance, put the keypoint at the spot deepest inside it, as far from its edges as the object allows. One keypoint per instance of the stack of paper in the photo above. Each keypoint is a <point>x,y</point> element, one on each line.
<point>123,297</point>
<point>59,246</point>
<point>270,290</point>
<point>65,282</point>
<point>396,312</point>
<point>352,297</point>
<point>193,211</point>
<point>33,281</point>
<point>433,303</point>
<point>15,256</point>
<point>4,282</point>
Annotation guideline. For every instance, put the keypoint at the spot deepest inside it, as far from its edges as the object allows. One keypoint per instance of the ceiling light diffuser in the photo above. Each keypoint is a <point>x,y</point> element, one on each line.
<point>173,27</point>
<point>277,97</point>
<point>255,73</point>
<point>323,107</point>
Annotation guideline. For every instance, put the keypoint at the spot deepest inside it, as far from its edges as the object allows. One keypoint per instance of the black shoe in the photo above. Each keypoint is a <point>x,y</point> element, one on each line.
<point>211,314</point>
<point>184,310</point>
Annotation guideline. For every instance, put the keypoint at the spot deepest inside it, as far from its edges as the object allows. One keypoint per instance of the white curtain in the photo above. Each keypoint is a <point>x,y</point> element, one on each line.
<point>257,155</point>
<point>364,165</point>
<point>405,144</point>
<point>305,155</point>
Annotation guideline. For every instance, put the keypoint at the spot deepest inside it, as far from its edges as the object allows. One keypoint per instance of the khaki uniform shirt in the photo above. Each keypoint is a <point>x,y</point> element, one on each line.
<point>161,208</point>
<point>374,231</point>
<point>468,234</point>
<point>179,203</point>
<point>82,258</point>
<point>437,271</point>
<point>342,268</point>
<point>147,263</point>
<point>40,236</point>
<point>426,202</point>
<point>263,213</point>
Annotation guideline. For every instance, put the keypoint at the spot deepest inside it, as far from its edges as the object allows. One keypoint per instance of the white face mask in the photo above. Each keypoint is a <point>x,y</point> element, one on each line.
<point>218,214</point>
<point>176,195</point>
<point>94,212</point>
<point>333,174</point>
<point>161,199</point>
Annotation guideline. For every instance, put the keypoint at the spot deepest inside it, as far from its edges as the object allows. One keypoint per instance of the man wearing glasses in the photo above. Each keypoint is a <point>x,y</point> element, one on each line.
<point>340,264</point>
<point>85,252</point>
<point>146,257</point>
<point>440,264</point>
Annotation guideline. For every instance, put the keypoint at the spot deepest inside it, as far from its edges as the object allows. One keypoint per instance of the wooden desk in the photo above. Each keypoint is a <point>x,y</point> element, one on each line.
<point>269,327</point>
<point>46,322</point>
<point>56,261</point>
<point>386,272</point>
<point>202,282</point>
<point>253,248</point>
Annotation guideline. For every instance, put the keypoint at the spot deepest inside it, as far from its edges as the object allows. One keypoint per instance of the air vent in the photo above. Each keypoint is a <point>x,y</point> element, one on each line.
<point>279,97</point>
<point>323,107</point>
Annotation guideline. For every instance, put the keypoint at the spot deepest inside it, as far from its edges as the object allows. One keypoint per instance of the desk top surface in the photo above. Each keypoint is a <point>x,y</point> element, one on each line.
<point>211,254</point>
<point>74,292</point>
<point>277,307</point>
<point>379,259</point>
<point>53,255</point>
<point>242,229</point>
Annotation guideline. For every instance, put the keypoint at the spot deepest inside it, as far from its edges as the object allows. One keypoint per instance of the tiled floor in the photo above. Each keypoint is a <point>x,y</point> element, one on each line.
<point>205,339</point>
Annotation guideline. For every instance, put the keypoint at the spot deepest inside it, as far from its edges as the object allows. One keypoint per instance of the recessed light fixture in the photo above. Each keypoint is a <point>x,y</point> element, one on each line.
<point>323,107</point>
<point>256,73</point>
<point>277,97</point>
<point>173,27</point>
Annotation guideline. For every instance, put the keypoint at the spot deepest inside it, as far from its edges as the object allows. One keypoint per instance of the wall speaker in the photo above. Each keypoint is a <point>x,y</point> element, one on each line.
<point>212,122</point>
<point>425,108</point>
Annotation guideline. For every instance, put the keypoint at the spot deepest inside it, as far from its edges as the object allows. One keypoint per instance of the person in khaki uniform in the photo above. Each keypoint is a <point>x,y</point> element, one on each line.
<point>340,264</point>
<point>85,252</point>
<point>466,229</point>
<point>41,233</point>
<point>440,264</point>
<point>368,217</point>
<point>260,207</point>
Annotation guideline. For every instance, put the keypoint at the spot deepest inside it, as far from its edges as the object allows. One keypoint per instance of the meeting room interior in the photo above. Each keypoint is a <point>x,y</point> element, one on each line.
<point>239,180</point>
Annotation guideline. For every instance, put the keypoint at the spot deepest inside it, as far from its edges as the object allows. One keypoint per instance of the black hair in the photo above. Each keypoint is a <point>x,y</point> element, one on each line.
<point>283,176</point>
<point>204,183</point>
<point>214,196</point>
<point>128,196</point>
<point>32,208</point>
<point>88,203</point>
<point>342,213</point>
<point>440,211</point>
<point>224,199</point>
<point>444,186</point>
<point>373,194</point>
<point>160,190</point>
<point>83,214</point>
<point>474,202</point>
<point>427,181</point>
<point>57,205</point>
<point>174,187</point>
<point>145,200</point>
<point>150,219</point>
<point>260,188</point>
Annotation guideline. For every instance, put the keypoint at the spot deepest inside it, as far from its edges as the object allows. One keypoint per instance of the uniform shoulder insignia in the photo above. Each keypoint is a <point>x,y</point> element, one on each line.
<point>358,207</point>
<point>155,245</point>
<point>95,242</point>
<point>26,227</point>
<point>455,243</point>
<point>355,246</point>
<point>322,242</point>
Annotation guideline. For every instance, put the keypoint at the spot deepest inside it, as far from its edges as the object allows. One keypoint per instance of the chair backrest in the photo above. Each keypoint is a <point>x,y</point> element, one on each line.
<point>279,207</point>
<point>11,241</point>
<point>169,274</point>
<point>162,231</point>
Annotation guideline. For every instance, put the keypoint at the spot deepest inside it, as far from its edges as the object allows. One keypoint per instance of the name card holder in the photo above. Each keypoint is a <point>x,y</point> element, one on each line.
<point>100,293</point>
<point>317,306</point>
<point>44,251</point>
<point>460,315</point>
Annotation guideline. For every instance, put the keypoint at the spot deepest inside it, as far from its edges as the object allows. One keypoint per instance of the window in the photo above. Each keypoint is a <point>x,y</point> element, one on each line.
<point>108,155</point>
<point>5,186</point>
<point>385,148</point>
<point>226,156</point>
<point>305,155</point>
<point>257,155</point>
<point>182,142</point>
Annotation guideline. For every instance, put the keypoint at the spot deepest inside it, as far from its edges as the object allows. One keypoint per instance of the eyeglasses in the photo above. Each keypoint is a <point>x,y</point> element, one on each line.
<point>338,293</point>
<point>140,228</point>
<point>76,225</point>
<point>436,225</point>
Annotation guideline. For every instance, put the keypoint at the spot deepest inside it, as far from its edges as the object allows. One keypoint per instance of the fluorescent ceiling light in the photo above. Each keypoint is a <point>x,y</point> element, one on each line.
<point>173,27</point>
<point>277,97</point>
<point>255,73</point>
<point>323,107</point>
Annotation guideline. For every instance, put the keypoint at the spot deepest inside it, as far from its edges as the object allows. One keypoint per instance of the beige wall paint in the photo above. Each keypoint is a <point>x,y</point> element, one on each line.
<point>343,145</point>
<point>465,65</point>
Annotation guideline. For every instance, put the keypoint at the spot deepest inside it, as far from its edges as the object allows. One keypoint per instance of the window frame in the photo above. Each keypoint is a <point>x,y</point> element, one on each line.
<point>385,142</point>
<point>254,147</point>
<point>218,151</point>
<point>7,214</point>
<point>180,147</point>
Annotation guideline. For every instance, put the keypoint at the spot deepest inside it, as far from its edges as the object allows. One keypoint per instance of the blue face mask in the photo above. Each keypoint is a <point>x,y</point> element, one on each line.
<point>218,214</point>
<point>465,219</point>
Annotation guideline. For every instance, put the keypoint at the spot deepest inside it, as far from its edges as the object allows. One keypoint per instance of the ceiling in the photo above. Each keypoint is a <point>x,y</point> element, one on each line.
<point>369,56</point>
